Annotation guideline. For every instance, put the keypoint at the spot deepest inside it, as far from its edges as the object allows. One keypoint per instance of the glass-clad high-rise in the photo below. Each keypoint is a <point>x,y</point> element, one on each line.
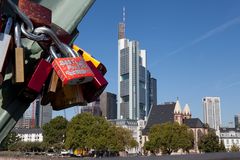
<point>212,112</point>
<point>133,79</point>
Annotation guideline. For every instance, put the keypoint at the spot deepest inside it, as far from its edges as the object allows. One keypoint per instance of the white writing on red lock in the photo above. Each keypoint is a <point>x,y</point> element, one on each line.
<point>82,64</point>
<point>67,62</point>
<point>72,67</point>
<point>76,72</point>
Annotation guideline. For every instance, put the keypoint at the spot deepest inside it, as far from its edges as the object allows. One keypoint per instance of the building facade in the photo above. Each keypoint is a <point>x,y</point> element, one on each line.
<point>212,112</point>
<point>172,112</point>
<point>136,127</point>
<point>29,134</point>
<point>133,79</point>
<point>108,105</point>
<point>229,136</point>
<point>45,115</point>
<point>237,121</point>
<point>93,108</point>
<point>153,91</point>
<point>35,116</point>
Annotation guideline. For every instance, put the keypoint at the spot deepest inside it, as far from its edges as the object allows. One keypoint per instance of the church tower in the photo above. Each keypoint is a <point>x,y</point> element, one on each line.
<point>186,112</point>
<point>178,113</point>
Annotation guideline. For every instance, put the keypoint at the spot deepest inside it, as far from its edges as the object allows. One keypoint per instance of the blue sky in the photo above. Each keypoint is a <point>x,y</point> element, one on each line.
<point>193,47</point>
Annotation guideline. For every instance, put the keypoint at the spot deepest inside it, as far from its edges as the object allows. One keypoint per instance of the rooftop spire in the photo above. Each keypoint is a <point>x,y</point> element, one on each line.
<point>124,14</point>
<point>121,26</point>
<point>186,110</point>
<point>177,108</point>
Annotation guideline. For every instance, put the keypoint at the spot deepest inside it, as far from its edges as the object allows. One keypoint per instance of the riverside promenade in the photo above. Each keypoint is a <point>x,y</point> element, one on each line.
<point>207,156</point>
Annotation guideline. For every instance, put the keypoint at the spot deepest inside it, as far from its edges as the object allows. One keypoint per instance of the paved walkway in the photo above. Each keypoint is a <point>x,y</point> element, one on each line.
<point>208,156</point>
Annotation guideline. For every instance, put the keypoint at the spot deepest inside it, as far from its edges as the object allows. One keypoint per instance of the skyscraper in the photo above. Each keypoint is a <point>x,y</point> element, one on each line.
<point>108,105</point>
<point>151,92</point>
<point>93,108</point>
<point>133,79</point>
<point>237,121</point>
<point>28,118</point>
<point>35,116</point>
<point>212,112</point>
<point>45,114</point>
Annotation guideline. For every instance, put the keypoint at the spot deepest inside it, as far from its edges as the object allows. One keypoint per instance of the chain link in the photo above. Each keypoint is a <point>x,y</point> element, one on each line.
<point>22,15</point>
<point>53,36</point>
<point>40,33</point>
<point>29,31</point>
<point>32,36</point>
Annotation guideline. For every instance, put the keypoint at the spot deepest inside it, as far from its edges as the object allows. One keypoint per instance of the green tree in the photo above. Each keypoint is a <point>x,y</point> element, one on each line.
<point>150,146</point>
<point>234,148</point>
<point>120,138</point>
<point>54,132</point>
<point>11,139</point>
<point>222,147</point>
<point>27,147</point>
<point>209,142</point>
<point>88,132</point>
<point>169,137</point>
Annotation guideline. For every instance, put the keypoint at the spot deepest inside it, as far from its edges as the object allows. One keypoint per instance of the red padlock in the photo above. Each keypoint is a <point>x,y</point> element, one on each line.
<point>36,80</point>
<point>71,70</point>
<point>93,89</point>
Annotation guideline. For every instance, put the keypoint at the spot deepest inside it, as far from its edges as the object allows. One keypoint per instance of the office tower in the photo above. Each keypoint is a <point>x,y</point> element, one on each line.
<point>132,78</point>
<point>108,105</point>
<point>151,92</point>
<point>35,116</point>
<point>46,114</point>
<point>93,108</point>
<point>148,100</point>
<point>212,112</point>
<point>237,121</point>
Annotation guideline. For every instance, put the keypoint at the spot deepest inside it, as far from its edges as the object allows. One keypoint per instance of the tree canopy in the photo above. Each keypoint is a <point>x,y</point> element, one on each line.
<point>54,132</point>
<point>88,132</point>
<point>234,148</point>
<point>10,141</point>
<point>210,143</point>
<point>169,137</point>
<point>222,147</point>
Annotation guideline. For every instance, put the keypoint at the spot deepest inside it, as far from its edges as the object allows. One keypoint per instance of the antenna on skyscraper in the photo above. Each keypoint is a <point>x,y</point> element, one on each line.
<point>124,14</point>
<point>121,26</point>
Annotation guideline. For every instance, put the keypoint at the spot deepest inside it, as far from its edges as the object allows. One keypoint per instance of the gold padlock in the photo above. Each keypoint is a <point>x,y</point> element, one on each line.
<point>19,56</point>
<point>67,96</point>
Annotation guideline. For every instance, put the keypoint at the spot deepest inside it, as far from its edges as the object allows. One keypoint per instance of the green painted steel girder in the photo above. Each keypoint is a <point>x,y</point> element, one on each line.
<point>66,14</point>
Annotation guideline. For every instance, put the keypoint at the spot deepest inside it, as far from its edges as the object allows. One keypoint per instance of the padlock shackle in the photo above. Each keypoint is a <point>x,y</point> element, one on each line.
<point>53,52</point>
<point>17,35</point>
<point>22,15</point>
<point>53,36</point>
<point>70,50</point>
